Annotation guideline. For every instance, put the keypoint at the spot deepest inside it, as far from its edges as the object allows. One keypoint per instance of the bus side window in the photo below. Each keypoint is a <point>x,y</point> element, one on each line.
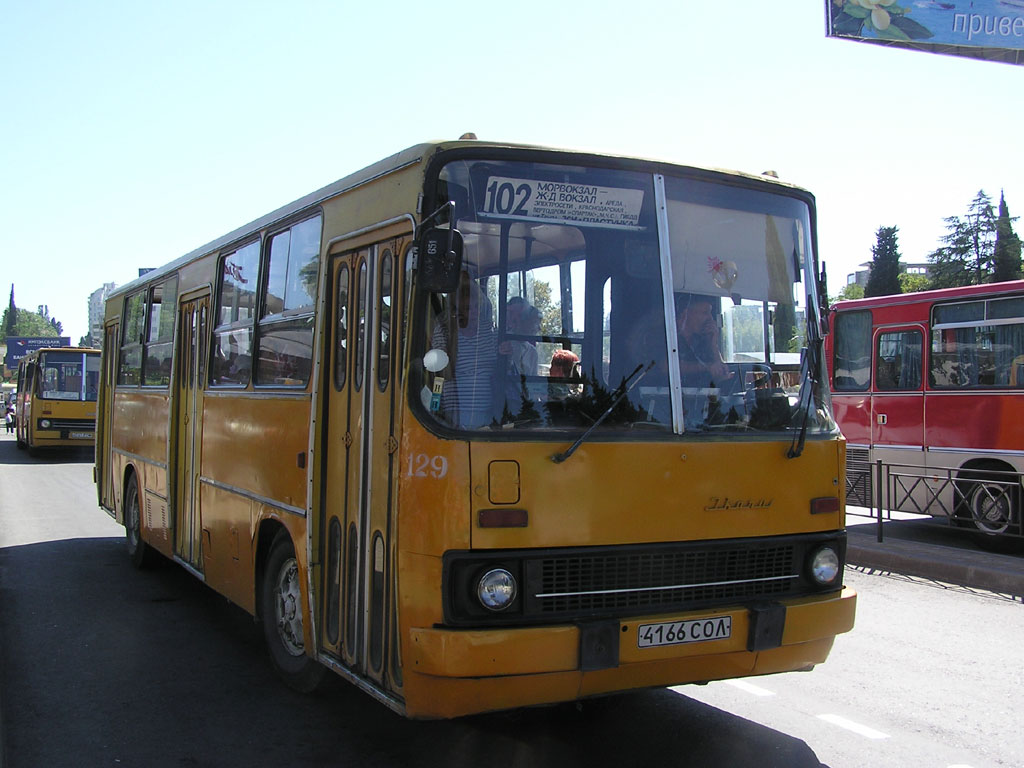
<point>899,360</point>
<point>886,372</point>
<point>1017,372</point>
<point>852,364</point>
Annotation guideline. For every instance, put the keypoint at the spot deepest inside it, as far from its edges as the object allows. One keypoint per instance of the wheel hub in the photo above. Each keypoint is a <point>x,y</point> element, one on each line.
<point>287,604</point>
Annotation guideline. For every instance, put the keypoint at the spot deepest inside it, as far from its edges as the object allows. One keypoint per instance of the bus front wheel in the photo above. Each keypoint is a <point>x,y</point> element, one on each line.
<point>281,614</point>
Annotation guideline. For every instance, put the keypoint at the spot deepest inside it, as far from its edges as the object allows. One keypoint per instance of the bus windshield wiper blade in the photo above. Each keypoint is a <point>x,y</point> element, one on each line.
<point>806,393</point>
<point>624,388</point>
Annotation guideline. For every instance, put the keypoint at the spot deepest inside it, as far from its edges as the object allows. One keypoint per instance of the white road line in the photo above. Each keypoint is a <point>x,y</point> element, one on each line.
<point>857,728</point>
<point>743,685</point>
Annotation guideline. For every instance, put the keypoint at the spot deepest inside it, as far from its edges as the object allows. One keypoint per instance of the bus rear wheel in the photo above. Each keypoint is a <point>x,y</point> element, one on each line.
<point>281,614</point>
<point>142,556</point>
<point>991,503</point>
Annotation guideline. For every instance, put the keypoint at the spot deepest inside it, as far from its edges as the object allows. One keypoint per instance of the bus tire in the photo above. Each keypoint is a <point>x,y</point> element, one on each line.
<point>140,554</point>
<point>281,616</point>
<point>992,505</point>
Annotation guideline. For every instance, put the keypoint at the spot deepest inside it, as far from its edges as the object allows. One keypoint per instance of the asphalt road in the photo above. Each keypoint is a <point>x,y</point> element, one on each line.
<point>101,665</point>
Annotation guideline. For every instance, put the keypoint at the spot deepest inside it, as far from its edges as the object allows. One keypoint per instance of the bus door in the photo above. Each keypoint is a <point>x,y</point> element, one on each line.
<point>104,418</point>
<point>360,461</point>
<point>897,400</point>
<point>193,317</point>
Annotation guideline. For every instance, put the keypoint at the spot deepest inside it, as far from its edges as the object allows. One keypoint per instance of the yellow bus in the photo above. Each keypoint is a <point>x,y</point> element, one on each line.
<point>484,426</point>
<point>56,401</point>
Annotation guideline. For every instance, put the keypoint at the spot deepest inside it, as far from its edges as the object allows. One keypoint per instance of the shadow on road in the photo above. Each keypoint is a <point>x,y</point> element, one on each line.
<point>104,665</point>
<point>11,454</point>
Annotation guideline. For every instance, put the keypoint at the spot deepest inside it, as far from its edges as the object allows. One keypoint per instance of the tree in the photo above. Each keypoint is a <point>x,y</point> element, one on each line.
<point>19,322</point>
<point>851,291</point>
<point>912,283</point>
<point>10,316</point>
<point>1006,252</point>
<point>967,256</point>
<point>884,278</point>
<point>35,324</point>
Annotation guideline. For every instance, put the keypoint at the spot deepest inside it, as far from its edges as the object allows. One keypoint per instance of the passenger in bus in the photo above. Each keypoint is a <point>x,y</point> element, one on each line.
<point>519,362</point>
<point>522,319</point>
<point>467,397</point>
<point>564,374</point>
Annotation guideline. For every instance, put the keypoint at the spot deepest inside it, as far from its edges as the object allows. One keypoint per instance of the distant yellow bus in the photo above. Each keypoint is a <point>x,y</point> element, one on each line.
<point>485,426</point>
<point>56,401</point>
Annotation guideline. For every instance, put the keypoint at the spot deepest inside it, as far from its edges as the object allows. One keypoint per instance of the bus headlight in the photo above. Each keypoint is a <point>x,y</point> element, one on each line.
<point>496,589</point>
<point>824,566</point>
<point>44,423</point>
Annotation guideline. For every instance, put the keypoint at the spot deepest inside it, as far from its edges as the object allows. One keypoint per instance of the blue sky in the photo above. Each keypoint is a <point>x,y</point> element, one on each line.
<point>133,132</point>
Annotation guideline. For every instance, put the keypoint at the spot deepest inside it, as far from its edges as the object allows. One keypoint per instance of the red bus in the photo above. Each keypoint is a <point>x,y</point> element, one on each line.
<point>934,381</point>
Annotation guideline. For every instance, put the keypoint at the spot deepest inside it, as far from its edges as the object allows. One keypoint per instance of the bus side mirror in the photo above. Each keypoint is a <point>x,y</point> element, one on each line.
<point>440,260</point>
<point>826,319</point>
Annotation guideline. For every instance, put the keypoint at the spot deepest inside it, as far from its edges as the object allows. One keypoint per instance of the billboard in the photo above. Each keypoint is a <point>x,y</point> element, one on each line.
<point>19,346</point>
<point>979,29</point>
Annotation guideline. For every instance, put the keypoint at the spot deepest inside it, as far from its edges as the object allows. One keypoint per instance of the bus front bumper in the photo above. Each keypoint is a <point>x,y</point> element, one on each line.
<point>501,668</point>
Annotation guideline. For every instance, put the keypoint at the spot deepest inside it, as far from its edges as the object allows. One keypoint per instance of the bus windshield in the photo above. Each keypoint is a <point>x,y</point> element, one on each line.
<point>630,300</point>
<point>68,376</point>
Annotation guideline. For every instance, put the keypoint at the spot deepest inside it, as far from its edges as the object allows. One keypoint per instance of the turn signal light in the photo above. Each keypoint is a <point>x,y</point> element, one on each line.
<point>825,505</point>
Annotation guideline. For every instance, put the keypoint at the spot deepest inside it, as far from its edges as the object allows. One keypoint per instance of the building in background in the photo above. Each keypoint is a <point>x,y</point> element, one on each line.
<point>97,300</point>
<point>860,277</point>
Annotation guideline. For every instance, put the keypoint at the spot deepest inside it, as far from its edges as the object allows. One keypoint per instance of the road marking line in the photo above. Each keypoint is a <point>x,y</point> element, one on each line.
<point>857,728</point>
<point>743,685</point>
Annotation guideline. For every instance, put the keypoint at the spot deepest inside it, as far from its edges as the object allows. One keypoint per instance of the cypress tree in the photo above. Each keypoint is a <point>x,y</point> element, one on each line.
<point>884,279</point>
<point>1006,255</point>
<point>12,316</point>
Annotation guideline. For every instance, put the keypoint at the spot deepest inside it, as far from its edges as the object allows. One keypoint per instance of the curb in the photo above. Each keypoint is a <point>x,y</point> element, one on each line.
<point>982,570</point>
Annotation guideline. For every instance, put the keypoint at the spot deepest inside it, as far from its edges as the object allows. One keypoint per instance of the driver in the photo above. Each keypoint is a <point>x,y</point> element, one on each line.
<point>700,357</point>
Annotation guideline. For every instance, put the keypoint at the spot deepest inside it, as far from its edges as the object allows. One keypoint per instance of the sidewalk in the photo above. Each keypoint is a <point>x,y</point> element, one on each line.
<point>932,552</point>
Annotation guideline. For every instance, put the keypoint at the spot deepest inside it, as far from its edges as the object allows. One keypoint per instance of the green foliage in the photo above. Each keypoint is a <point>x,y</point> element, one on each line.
<point>10,317</point>
<point>850,291</point>
<point>914,283</point>
<point>884,279</point>
<point>19,322</point>
<point>967,256</point>
<point>1006,251</point>
<point>550,310</point>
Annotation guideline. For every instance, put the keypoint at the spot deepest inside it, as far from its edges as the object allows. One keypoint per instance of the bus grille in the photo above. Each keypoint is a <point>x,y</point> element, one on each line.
<point>858,478</point>
<point>652,582</point>
<point>615,582</point>
<point>83,424</point>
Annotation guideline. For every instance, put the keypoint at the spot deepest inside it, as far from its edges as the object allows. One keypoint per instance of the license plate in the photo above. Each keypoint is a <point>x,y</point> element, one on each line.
<point>689,631</point>
<point>81,435</point>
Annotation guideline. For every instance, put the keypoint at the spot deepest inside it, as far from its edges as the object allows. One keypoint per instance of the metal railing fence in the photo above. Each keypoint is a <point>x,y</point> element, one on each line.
<point>981,502</point>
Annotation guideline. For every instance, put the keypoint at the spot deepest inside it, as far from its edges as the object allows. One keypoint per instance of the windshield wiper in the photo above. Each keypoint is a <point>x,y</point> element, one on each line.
<point>806,378</point>
<point>624,388</point>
